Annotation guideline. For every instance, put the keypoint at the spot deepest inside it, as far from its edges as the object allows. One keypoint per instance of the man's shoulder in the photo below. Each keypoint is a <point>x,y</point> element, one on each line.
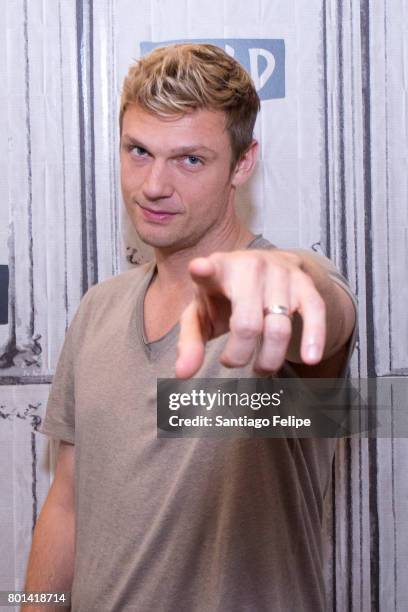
<point>259,242</point>
<point>120,284</point>
<point>120,291</point>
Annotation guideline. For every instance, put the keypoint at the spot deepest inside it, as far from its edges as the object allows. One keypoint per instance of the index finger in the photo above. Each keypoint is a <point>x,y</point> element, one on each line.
<point>206,274</point>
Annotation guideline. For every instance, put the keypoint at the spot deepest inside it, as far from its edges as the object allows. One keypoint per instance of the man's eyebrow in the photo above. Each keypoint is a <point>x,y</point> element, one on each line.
<point>134,141</point>
<point>190,149</point>
<point>184,150</point>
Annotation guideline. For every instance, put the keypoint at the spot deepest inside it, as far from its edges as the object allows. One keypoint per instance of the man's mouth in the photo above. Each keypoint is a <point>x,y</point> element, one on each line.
<point>157,215</point>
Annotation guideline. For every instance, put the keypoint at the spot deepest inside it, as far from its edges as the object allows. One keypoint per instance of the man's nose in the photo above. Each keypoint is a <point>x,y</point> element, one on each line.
<point>157,183</point>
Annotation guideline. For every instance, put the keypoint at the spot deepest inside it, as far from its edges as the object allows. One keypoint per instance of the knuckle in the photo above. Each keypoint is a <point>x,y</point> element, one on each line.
<point>269,364</point>
<point>246,329</point>
<point>294,258</point>
<point>218,257</point>
<point>280,274</point>
<point>317,303</point>
<point>291,258</point>
<point>254,263</point>
<point>302,278</point>
<point>277,334</point>
<point>232,264</point>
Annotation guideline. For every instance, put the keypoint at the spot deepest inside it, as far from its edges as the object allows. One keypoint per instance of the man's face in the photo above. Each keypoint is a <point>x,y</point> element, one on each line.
<point>176,176</point>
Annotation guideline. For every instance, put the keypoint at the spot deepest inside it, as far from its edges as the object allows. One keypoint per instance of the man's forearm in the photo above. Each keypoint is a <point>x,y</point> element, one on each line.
<point>51,563</point>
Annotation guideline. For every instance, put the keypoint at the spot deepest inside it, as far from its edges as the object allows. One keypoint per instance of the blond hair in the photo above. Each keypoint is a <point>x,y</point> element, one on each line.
<point>181,78</point>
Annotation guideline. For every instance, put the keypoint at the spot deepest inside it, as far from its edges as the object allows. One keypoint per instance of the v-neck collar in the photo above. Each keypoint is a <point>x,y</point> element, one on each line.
<point>154,347</point>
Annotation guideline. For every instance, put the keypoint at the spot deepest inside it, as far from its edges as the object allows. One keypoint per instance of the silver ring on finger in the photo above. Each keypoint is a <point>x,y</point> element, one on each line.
<point>277,309</point>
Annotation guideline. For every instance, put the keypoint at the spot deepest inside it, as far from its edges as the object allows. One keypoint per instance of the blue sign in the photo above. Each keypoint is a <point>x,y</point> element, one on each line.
<point>263,58</point>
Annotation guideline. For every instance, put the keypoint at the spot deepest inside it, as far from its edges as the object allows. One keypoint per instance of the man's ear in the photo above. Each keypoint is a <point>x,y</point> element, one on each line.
<point>245,165</point>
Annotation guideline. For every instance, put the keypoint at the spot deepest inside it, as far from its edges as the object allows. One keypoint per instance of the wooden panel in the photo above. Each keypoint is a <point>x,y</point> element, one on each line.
<point>25,476</point>
<point>389,138</point>
<point>43,179</point>
<point>332,175</point>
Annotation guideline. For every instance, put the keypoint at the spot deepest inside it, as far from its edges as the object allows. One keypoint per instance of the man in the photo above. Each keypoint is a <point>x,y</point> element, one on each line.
<point>137,523</point>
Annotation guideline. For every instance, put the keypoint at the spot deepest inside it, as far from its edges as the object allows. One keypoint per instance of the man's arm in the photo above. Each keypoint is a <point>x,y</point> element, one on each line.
<point>235,290</point>
<point>51,563</point>
<point>339,313</point>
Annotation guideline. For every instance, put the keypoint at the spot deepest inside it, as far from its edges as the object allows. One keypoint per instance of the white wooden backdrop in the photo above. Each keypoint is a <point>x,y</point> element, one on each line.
<point>332,176</point>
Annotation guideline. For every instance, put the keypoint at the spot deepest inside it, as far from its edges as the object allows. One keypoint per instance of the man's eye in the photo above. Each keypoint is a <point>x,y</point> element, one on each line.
<point>192,160</point>
<point>138,151</point>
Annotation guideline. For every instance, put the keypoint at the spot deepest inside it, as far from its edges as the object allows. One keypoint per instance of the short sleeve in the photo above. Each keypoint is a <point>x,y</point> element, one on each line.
<point>261,243</point>
<point>59,421</point>
<point>342,282</point>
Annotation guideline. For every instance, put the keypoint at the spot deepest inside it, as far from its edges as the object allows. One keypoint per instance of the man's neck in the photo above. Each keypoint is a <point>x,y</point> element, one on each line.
<point>172,268</point>
<point>172,289</point>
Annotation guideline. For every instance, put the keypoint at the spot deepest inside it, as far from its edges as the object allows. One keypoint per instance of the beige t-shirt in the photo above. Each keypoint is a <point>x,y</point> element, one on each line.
<point>177,525</point>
